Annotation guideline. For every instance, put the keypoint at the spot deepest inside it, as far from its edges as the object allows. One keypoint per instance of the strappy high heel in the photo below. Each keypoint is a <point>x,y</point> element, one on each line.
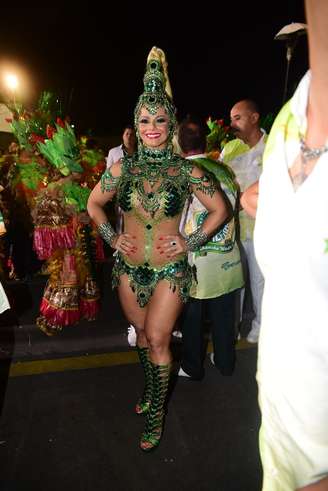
<point>143,404</point>
<point>152,434</point>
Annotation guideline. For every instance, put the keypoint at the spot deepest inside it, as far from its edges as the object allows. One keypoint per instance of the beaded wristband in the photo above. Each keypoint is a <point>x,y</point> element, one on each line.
<point>107,232</point>
<point>196,239</point>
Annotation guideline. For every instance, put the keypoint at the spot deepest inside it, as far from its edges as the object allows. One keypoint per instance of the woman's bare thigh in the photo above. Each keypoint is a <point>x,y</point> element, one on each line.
<point>164,308</point>
<point>133,312</point>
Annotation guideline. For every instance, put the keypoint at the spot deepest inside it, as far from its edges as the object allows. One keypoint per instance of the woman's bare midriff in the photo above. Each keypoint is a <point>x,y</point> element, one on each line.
<point>149,241</point>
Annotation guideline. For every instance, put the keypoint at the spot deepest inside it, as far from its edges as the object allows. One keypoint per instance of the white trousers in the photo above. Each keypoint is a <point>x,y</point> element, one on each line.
<point>256,282</point>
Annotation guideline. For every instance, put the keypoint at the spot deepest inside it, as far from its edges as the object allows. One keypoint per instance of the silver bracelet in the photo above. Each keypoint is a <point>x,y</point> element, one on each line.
<point>195,240</point>
<point>107,232</point>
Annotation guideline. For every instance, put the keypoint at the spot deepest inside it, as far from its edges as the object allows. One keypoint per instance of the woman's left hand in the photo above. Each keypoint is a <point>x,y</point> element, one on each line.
<point>172,245</point>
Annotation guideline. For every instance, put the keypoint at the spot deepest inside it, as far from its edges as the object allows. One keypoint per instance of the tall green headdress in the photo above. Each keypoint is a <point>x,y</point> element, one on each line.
<point>157,90</point>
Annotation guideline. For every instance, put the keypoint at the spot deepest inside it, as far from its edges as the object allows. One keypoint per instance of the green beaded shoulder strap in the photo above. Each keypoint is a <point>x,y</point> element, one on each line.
<point>108,181</point>
<point>204,183</point>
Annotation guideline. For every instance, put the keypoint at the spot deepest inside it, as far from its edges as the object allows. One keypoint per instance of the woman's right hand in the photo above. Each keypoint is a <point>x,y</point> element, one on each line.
<point>172,245</point>
<point>124,244</point>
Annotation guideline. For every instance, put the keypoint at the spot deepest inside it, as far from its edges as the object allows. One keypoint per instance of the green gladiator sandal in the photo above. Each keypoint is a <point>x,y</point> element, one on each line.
<point>152,434</point>
<point>143,404</point>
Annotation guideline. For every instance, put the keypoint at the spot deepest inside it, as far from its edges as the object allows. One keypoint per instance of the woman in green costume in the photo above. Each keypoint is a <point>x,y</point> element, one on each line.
<point>151,268</point>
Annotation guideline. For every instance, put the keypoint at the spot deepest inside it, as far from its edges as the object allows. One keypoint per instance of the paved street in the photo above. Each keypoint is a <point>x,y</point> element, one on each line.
<point>67,420</point>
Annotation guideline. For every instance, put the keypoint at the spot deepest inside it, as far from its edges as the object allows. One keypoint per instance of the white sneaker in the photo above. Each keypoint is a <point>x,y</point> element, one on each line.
<point>253,335</point>
<point>132,335</point>
<point>212,358</point>
<point>182,373</point>
<point>177,334</point>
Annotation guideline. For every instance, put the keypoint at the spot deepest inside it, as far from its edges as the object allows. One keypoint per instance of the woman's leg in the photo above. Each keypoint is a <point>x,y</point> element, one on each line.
<point>163,311</point>
<point>164,308</point>
<point>135,314</point>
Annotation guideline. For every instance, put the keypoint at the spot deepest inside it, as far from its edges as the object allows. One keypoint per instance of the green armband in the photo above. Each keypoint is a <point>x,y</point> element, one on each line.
<point>203,184</point>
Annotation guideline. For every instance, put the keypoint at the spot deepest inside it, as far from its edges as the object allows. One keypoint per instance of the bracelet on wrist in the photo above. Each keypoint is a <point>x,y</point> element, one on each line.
<point>195,240</point>
<point>107,232</point>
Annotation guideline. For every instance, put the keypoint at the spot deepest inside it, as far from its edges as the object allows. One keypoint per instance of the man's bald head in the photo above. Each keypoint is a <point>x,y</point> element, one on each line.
<point>245,119</point>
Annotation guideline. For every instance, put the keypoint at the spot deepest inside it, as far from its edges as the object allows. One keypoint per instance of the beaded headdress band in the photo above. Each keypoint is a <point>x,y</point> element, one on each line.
<point>157,91</point>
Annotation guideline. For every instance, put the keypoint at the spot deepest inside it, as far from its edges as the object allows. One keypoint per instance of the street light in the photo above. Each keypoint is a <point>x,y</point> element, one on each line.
<point>11,81</point>
<point>290,34</point>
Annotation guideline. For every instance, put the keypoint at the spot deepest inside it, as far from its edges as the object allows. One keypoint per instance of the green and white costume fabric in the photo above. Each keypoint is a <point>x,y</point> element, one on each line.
<point>217,263</point>
<point>246,163</point>
<point>291,239</point>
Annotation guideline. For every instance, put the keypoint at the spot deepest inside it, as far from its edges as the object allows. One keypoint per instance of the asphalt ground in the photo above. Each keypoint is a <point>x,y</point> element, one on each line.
<point>67,419</point>
<point>76,429</point>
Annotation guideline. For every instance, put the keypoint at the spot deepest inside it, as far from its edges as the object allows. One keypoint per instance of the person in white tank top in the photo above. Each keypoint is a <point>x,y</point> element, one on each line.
<point>291,244</point>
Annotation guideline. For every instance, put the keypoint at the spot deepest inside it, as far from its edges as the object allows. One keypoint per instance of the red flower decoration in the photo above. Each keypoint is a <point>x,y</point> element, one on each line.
<point>60,122</point>
<point>50,131</point>
<point>34,138</point>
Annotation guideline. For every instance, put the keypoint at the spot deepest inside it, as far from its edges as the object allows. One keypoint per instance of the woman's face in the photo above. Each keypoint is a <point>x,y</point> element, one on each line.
<point>153,128</point>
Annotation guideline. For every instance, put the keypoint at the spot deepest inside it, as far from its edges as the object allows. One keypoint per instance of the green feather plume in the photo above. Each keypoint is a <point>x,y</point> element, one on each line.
<point>62,150</point>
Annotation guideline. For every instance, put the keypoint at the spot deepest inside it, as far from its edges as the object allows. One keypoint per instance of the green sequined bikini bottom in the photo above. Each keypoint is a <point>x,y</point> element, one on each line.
<point>143,278</point>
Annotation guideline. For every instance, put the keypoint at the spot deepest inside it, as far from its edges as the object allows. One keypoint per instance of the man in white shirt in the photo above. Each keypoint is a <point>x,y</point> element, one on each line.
<point>128,146</point>
<point>244,156</point>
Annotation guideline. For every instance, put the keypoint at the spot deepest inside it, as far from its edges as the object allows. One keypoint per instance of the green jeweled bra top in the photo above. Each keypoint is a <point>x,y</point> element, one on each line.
<point>169,182</point>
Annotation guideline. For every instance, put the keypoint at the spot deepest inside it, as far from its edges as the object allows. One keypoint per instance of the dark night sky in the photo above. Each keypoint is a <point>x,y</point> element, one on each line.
<point>95,59</point>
